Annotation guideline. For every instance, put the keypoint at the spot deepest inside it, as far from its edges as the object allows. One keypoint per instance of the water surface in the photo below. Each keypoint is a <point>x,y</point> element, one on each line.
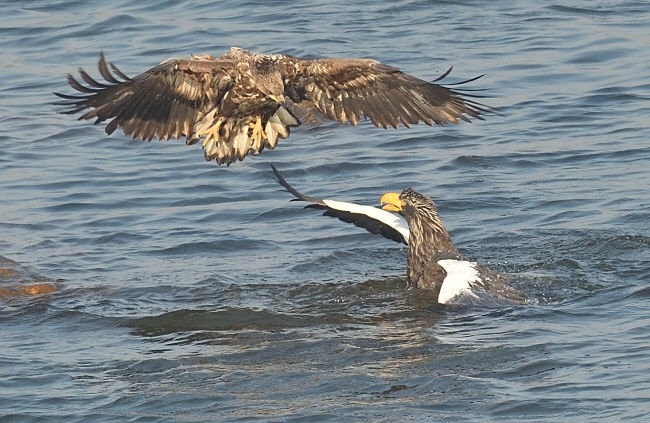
<point>192,292</point>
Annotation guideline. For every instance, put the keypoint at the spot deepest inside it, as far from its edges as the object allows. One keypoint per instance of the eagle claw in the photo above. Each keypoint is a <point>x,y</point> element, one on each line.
<point>258,133</point>
<point>211,133</point>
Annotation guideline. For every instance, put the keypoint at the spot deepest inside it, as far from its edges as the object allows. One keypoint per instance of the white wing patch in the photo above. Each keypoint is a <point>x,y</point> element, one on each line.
<point>461,274</point>
<point>393,220</point>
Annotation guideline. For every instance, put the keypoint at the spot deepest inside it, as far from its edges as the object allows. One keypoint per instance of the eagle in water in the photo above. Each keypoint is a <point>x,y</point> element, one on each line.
<point>244,102</point>
<point>432,261</point>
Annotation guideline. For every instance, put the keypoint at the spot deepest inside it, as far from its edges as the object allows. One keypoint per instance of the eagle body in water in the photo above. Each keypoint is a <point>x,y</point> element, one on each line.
<point>432,261</point>
<point>243,102</point>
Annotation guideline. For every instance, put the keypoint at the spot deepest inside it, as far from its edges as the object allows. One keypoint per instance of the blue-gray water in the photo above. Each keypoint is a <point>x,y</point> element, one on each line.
<point>198,293</point>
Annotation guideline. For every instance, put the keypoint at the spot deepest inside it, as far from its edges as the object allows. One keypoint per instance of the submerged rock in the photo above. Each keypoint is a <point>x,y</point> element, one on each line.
<point>17,281</point>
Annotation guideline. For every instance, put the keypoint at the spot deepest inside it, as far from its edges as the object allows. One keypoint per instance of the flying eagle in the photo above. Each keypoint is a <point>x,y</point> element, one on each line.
<point>433,262</point>
<point>242,102</point>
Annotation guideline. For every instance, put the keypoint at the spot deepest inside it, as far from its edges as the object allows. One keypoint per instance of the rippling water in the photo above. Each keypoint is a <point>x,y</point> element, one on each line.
<point>192,292</point>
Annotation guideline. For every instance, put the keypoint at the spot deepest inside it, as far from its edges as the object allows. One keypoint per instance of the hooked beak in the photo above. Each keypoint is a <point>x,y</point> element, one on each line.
<point>391,202</point>
<point>279,99</point>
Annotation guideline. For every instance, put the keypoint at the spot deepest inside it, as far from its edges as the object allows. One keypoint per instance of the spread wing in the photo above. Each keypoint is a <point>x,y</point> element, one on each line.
<point>374,220</point>
<point>166,101</point>
<point>346,89</point>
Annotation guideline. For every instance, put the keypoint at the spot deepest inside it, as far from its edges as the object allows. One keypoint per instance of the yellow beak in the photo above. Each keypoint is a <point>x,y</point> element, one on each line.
<point>391,202</point>
<point>279,99</point>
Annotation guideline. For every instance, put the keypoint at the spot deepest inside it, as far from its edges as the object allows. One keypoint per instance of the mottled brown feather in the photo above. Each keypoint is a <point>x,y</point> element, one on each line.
<point>382,93</point>
<point>179,97</point>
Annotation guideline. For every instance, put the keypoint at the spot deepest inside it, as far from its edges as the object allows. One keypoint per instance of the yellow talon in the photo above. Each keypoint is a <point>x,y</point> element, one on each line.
<point>258,132</point>
<point>212,132</point>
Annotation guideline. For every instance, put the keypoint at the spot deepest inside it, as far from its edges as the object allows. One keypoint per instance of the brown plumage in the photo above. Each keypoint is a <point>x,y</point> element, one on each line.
<point>429,240</point>
<point>241,102</point>
<point>433,262</point>
<point>431,253</point>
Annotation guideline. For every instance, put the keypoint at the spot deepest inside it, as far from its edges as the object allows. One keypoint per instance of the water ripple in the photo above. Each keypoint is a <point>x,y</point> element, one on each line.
<point>195,292</point>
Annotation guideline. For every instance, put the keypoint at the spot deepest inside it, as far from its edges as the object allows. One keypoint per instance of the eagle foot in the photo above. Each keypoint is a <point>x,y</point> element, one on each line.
<point>258,133</point>
<point>211,133</point>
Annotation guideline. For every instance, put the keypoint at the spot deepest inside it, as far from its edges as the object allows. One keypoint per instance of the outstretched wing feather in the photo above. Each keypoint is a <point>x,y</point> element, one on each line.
<point>344,89</point>
<point>165,101</point>
<point>372,219</point>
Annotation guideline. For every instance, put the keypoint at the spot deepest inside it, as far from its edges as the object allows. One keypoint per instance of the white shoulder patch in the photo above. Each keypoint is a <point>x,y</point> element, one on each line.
<point>460,275</point>
<point>391,219</point>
